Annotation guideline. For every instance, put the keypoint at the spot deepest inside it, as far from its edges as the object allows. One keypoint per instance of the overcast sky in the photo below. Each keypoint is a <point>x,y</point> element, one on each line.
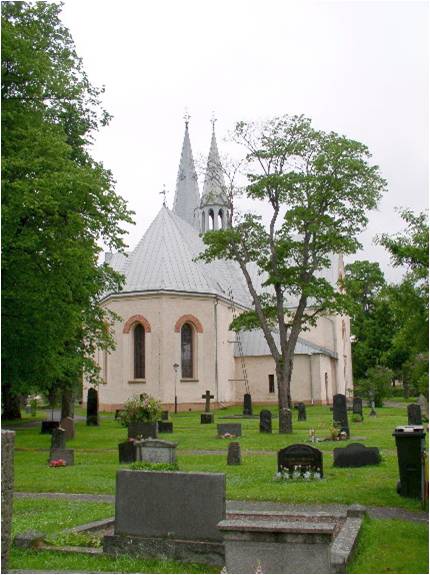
<point>358,68</point>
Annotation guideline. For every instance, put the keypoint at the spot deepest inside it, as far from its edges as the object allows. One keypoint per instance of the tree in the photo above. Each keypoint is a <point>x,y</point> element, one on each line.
<point>318,186</point>
<point>58,205</point>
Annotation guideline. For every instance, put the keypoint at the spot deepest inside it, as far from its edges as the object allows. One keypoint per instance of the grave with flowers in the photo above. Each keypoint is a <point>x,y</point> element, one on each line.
<point>300,462</point>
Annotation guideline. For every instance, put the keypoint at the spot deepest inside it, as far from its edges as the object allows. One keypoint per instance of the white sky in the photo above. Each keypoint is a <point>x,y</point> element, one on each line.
<point>358,68</point>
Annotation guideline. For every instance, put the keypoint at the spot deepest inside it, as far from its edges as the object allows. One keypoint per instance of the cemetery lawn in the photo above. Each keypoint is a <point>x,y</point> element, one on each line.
<point>96,458</point>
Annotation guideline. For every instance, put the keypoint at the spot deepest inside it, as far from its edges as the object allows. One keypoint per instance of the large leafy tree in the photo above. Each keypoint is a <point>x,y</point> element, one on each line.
<point>318,186</point>
<point>58,204</point>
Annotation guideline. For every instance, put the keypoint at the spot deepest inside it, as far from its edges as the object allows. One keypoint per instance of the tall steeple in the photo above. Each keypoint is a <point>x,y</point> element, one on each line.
<point>213,204</point>
<point>187,196</point>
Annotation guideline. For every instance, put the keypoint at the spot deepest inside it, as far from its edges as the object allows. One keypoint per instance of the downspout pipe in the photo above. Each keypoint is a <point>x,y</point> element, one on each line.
<point>216,347</point>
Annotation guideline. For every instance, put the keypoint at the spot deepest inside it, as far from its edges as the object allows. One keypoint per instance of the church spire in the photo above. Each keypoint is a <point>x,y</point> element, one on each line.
<point>187,196</point>
<point>213,203</point>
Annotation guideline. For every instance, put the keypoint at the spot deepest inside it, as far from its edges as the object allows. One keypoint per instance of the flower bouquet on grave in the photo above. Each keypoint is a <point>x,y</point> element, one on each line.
<point>297,473</point>
<point>228,436</point>
<point>57,463</point>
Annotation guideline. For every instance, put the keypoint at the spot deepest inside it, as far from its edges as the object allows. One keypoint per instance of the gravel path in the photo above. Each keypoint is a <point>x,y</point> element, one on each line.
<point>373,512</point>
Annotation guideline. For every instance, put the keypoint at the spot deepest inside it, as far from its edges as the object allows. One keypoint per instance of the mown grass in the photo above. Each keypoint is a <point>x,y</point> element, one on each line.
<point>96,459</point>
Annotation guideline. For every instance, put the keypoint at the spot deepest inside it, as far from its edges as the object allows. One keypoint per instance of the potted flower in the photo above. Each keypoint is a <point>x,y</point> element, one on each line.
<point>140,414</point>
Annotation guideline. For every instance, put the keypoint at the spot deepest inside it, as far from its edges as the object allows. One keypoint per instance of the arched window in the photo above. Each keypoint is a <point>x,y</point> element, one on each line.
<point>220,220</point>
<point>203,222</point>
<point>211,220</point>
<point>139,351</point>
<point>187,350</point>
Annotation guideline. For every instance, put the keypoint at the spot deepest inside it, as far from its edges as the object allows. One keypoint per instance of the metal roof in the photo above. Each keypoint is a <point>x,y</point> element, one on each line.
<point>254,344</point>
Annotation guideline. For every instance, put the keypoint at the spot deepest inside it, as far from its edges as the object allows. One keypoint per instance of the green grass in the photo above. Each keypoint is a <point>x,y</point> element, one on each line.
<point>391,546</point>
<point>96,459</point>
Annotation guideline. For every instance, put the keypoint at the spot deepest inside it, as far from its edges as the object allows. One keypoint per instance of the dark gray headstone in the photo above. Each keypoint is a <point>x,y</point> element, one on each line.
<point>67,455</point>
<point>92,407</point>
<point>301,411</point>
<point>126,452</point>
<point>165,426</point>
<point>7,452</point>
<point>233,455</point>
<point>68,424</point>
<point>414,414</point>
<point>165,415</point>
<point>156,504</point>
<point>247,404</point>
<point>265,421</point>
<point>58,438</point>
<point>340,413</point>
<point>143,429</point>
<point>357,406</point>
<point>356,455</point>
<point>206,418</point>
<point>49,425</point>
<point>300,457</point>
<point>231,428</point>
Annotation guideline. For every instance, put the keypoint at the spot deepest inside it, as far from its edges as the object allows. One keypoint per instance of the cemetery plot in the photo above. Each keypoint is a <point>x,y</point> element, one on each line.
<point>300,458</point>
<point>356,455</point>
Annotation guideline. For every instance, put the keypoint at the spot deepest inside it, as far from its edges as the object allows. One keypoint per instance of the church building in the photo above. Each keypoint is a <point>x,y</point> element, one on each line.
<point>173,339</point>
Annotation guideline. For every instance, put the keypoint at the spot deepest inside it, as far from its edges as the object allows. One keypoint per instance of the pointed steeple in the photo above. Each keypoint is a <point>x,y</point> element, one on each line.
<point>214,179</point>
<point>187,196</point>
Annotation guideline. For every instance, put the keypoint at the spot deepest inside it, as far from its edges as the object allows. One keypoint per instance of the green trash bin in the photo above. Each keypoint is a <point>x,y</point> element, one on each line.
<point>410,443</point>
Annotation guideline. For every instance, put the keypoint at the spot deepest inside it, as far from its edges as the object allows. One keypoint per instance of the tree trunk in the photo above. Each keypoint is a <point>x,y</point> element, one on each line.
<point>67,403</point>
<point>11,404</point>
<point>284,399</point>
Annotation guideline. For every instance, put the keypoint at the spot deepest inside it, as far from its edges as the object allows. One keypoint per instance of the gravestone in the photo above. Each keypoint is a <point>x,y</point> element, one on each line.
<point>301,411</point>
<point>68,424</point>
<point>142,429</point>
<point>117,413</point>
<point>126,452</point>
<point>372,411</point>
<point>410,443</point>
<point>424,404</point>
<point>155,451</point>
<point>165,426</point>
<point>165,415</point>
<point>92,407</point>
<point>233,455</point>
<point>151,512</point>
<point>340,413</point>
<point>265,421</point>
<point>247,404</point>
<point>7,452</point>
<point>58,438</point>
<point>356,455</point>
<point>231,428</point>
<point>207,416</point>
<point>357,407</point>
<point>48,425</point>
<point>300,457</point>
<point>414,414</point>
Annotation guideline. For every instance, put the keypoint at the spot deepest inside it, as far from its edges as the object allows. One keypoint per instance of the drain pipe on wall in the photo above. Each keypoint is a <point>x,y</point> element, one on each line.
<point>216,347</point>
<point>311,379</point>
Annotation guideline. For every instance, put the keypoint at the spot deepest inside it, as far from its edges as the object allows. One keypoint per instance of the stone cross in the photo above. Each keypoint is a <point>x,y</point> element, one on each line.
<point>207,396</point>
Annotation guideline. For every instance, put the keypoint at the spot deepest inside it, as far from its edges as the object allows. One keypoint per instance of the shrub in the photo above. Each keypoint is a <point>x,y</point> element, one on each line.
<point>140,409</point>
<point>377,385</point>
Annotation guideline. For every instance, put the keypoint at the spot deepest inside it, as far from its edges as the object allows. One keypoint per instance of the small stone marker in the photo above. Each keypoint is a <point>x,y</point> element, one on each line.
<point>68,424</point>
<point>300,457</point>
<point>265,421</point>
<point>7,452</point>
<point>357,407</point>
<point>126,452</point>
<point>231,428</point>
<point>58,438</point>
<point>356,455</point>
<point>372,411</point>
<point>48,425</point>
<point>207,416</point>
<point>301,411</point>
<point>92,407</point>
<point>155,451</point>
<point>340,413</point>
<point>414,414</point>
<point>424,404</point>
<point>247,404</point>
<point>165,415</point>
<point>233,455</point>
<point>165,426</point>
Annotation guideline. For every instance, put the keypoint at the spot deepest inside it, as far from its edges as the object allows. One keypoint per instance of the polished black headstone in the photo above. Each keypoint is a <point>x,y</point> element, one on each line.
<point>233,455</point>
<point>165,415</point>
<point>356,455</point>
<point>165,426</point>
<point>49,425</point>
<point>301,411</point>
<point>206,417</point>
<point>340,413</point>
<point>265,421</point>
<point>92,407</point>
<point>414,414</point>
<point>247,404</point>
<point>300,457</point>
<point>357,406</point>
<point>127,452</point>
<point>231,428</point>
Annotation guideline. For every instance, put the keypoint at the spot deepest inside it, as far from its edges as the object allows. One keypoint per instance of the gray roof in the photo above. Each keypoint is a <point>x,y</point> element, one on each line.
<point>187,196</point>
<point>254,344</point>
<point>214,178</point>
<point>164,260</point>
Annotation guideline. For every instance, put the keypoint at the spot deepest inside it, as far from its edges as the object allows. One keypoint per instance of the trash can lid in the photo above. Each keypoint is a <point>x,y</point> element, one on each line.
<point>407,429</point>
